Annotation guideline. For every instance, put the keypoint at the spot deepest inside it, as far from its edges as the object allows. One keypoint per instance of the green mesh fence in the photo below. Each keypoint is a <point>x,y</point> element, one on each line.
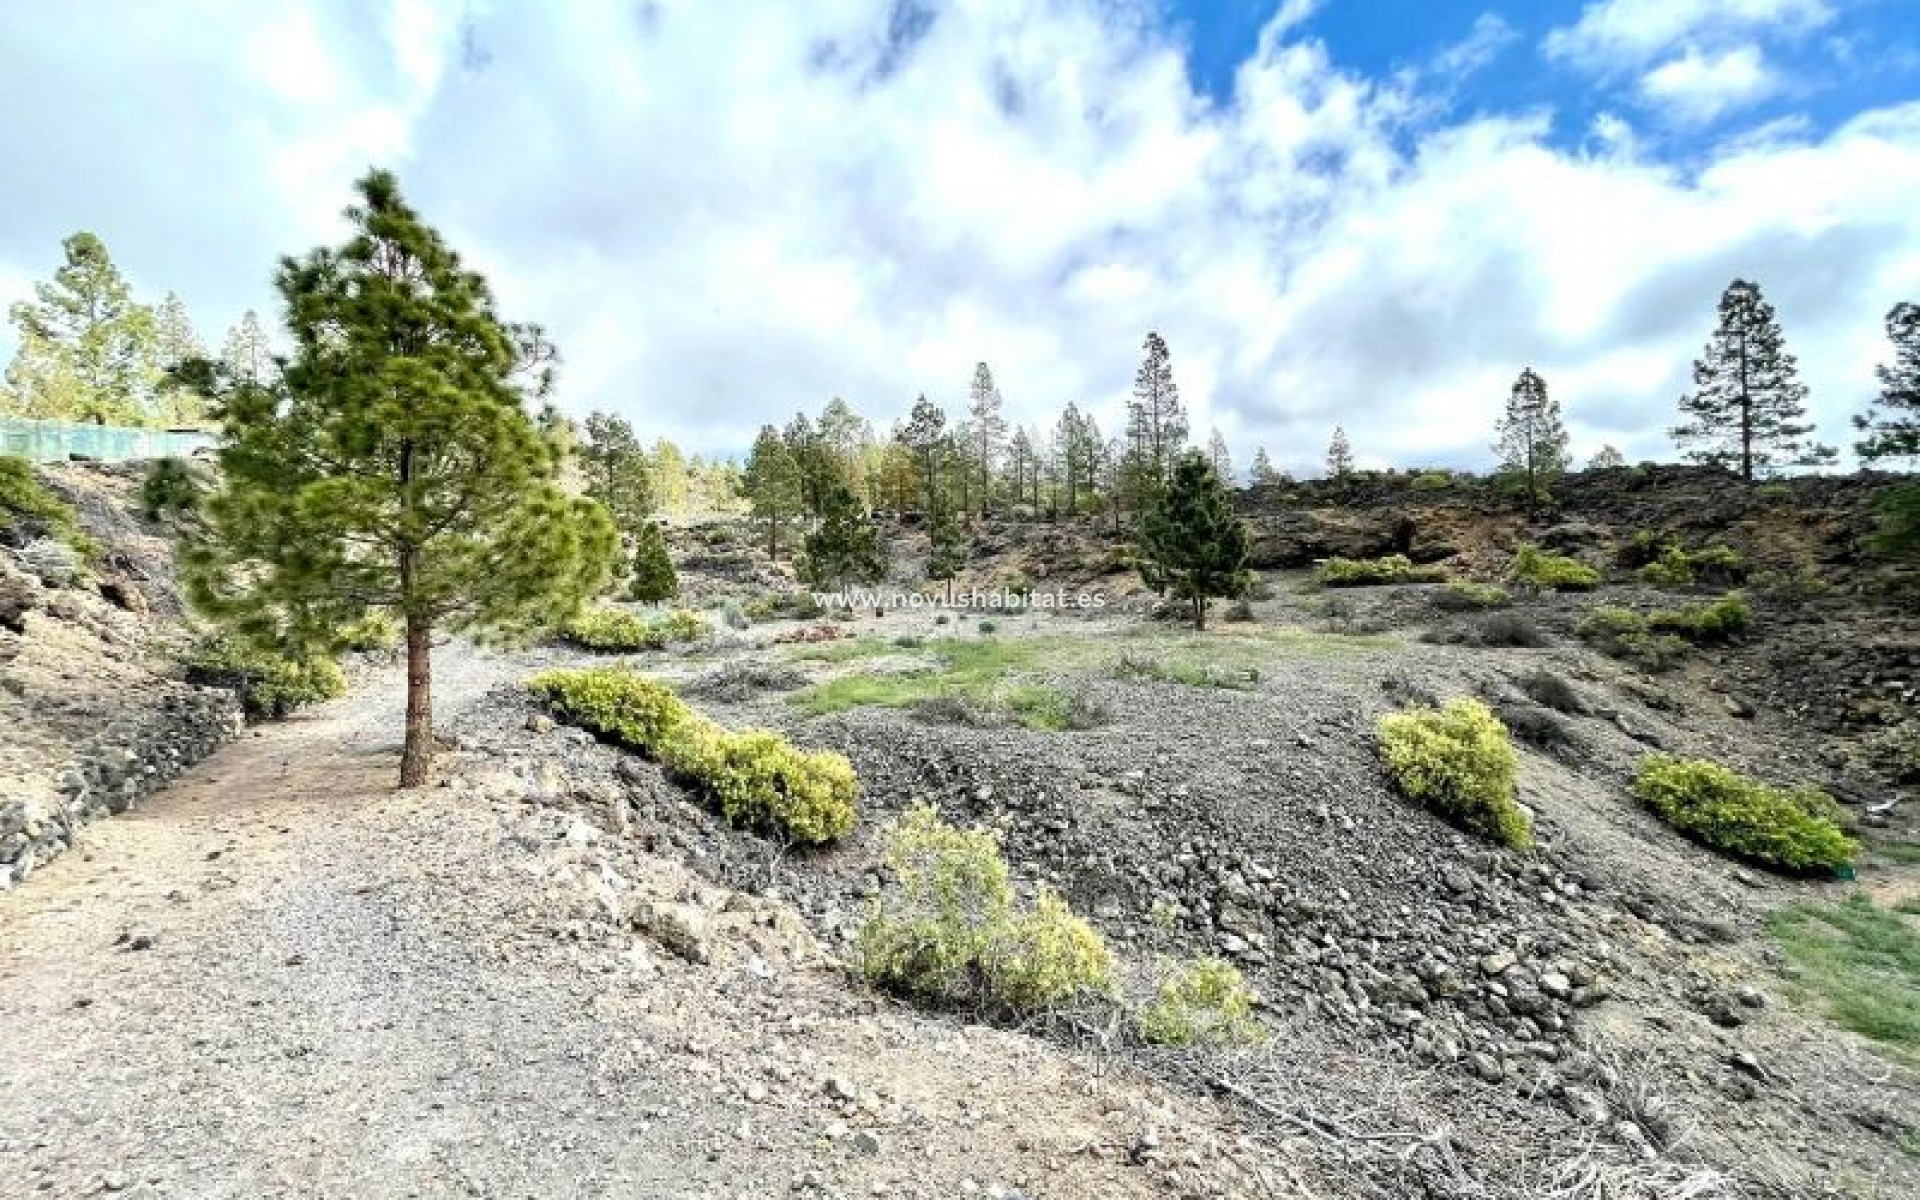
<point>58,441</point>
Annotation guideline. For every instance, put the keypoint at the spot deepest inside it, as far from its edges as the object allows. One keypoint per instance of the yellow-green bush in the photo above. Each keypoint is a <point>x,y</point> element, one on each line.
<point>947,928</point>
<point>1205,1001</point>
<point>616,631</point>
<point>1537,569</point>
<point>375,632</point>
<point>628,708</point>
<point>1458,761</point>
<point>1465,595</point>
<point>758,778</point>
<point>269,684</point>
<point>1047,957</point>
<point>763,781</point>
<point>1705,624</point>
<point>1372,572</point>
<point>1789,829</point>
<point>1675,568</point>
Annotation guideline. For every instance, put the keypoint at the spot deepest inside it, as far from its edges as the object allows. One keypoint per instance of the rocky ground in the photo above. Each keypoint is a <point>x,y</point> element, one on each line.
<point>284,978</point>
<point>559,974</point>
<point>95,712</point>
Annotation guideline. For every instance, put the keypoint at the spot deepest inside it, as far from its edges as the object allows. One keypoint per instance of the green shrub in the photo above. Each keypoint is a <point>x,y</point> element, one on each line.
<point>1464,595</point>
<point>987,628</point>
<point>1712,623</point>
<point>1205,1001</point>
<point>28,510</point>
<point>169,491</point>
<point>628,708</point>
<point>1791,829</point>
<point>799,606</point>
<point>1046,957</point>
<point>376,632</point>
<point>616,631</point>
<point>947,929</point>
<point>1719,566</point>
<point>1644,547</point>
<point>653,580</point>
<point>1672,569</point>
<point>1457,760</point>
<point>759,779</point>
<point>1430,481</point>
<point>1538,570</point>
<point>1374,572</point>
<point>1675,569</point>
<point>269,684</point>
<point>1623,633</point>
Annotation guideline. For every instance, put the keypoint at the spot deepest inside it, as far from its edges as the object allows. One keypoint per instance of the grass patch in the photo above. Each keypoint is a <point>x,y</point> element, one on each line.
<point>1016,676</point>
<point>842,651</point>
<point>1861,964</point>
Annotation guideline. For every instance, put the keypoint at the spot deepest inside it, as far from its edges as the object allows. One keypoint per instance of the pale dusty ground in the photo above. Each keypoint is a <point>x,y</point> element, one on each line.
<point>350,991</point>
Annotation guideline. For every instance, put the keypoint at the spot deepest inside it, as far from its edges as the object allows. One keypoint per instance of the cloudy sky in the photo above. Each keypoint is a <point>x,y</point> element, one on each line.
<point>1363,211</point>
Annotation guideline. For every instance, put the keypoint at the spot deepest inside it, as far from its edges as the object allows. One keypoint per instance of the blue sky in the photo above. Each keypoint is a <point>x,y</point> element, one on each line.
<point>1371,213</point>
<point>1853,56</point>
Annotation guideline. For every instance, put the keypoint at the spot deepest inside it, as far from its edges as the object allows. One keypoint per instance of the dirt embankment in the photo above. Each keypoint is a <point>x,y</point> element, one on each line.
<point>95,714</point>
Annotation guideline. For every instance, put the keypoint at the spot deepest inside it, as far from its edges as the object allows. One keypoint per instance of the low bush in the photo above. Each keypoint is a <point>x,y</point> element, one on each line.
<point>1796,830</point>
<point>1205,1001</point>
<point>1535,725</point>
<point>1538,570</point>
<point>1671,570</point>
<point>1550,691</point>
<point>1709,624</point>
<point>1465,595</point>
<point>1375,572</point>
<point>29,511</point>
<point>375,633</point>
<point>269,684</point>
<point>626,708</point>
<point>1643,548</point>
<point>1430,481</point>
<point>744,680</point>
<point>1662,640</point>
<point>759,779</point>
<point>1498,629</point>
<point>169,491</point>
<point>947,928</point>
<point>1675,569</point>
<point>797,606</point>
<point>1458,761</point>
<point>616,631</point>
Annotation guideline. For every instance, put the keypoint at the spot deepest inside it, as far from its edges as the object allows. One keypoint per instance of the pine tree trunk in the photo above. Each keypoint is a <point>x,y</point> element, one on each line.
<point>1200,614</point>
<point>416,757</point>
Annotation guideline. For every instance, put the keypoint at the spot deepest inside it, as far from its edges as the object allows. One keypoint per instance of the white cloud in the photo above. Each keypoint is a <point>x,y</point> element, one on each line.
<point>1697,88</point>
<point>1489,36</point>
<point>727,212</point>
<point>1627,34</point>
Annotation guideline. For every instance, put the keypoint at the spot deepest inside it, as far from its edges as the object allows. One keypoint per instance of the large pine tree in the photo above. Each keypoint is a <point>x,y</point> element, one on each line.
<point>616,470</point>
<point>845,548</point>
<point>1531,438</point>
<point>1339,455</point>
<point>1193,546</point>
<point>394,465</point>
<point>925,437</point>
<point>1156,422</point>
<point>947,550</point>
<point>771,485</point>
<point>988,433</point>
<point>248,353</point>
<point>1748,410</point>
<point>1892,426</point>
<point>87,350</point>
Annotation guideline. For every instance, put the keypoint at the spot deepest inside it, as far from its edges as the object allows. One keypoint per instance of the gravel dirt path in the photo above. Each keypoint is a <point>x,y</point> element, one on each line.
<point>281,977</point>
